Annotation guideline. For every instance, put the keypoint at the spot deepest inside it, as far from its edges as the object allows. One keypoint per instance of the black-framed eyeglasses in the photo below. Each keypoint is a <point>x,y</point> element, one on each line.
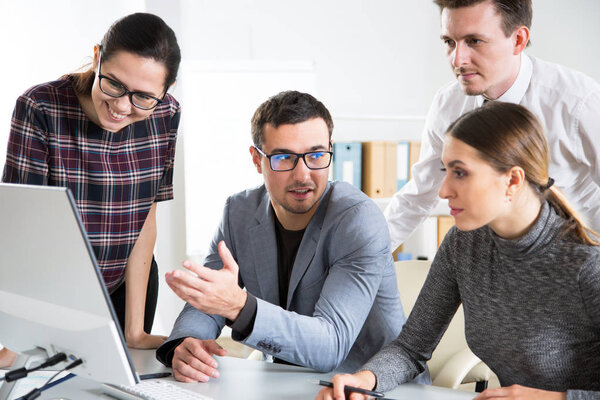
<point>115,89</point>
<point>287,161</point>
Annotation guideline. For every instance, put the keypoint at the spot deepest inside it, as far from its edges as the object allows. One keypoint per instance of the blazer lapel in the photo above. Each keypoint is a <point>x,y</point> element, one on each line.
<point>264,249</point>
<point>306,253</point>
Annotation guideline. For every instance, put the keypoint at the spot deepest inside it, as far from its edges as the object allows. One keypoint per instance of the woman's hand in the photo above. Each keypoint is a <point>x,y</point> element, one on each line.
<point>362,379</point>
<point>7,357</point>
<point>520,392</point>
<point>144,340</point>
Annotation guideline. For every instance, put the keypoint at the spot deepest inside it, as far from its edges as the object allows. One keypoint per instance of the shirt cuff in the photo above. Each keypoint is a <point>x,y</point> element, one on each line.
<point>244,323</point>
<point>164,353</point>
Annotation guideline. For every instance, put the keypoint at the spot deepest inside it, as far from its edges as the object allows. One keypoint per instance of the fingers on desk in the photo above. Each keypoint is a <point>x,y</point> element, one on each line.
<point>193,361</point>
<point>327,394</point>
<point>341,381</point>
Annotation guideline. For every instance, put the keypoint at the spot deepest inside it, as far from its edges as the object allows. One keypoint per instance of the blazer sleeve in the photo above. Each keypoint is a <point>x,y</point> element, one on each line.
<point>357,251</point>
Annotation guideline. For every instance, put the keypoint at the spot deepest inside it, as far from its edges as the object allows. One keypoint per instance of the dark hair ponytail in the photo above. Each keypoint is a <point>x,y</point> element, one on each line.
<point>142,34</point>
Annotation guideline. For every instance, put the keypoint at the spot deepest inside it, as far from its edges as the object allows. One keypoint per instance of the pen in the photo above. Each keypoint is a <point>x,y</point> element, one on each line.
<point>155,376</point>
<point>353,389</point>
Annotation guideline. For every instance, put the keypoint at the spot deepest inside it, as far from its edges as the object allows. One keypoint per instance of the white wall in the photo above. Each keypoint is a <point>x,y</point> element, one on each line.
<point>42,40</point>
<point>366,53</point>
<point>371,58</point>
<point>565,32</point>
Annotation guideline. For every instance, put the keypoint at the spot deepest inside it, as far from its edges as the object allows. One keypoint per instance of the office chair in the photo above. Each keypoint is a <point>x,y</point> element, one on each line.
<point>452,363</point>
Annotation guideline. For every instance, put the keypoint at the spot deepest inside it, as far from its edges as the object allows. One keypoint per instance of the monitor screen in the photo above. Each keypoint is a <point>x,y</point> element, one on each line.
<point>52,296</point>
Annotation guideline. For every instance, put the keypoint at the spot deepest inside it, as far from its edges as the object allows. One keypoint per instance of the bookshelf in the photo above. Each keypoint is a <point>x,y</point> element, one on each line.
<point>379,180</point>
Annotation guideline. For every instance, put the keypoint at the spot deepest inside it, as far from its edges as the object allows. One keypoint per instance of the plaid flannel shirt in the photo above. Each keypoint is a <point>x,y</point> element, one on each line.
<point>114,177</point>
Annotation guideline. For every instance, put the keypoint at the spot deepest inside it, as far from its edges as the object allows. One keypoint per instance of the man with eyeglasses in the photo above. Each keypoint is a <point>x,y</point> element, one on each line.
<point>313,256</point>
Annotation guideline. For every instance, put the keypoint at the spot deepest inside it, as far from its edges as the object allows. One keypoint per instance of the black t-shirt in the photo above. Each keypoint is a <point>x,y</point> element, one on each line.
<point>288,243</point>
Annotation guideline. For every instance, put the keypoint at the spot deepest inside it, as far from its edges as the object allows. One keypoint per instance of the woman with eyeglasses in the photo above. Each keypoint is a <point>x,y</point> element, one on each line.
<point>109,135</point>
<point>520,260</point>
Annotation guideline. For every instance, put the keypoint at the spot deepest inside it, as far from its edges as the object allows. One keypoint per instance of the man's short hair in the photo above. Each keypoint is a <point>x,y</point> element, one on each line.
<point>290,107</point>
<point>514,13</point>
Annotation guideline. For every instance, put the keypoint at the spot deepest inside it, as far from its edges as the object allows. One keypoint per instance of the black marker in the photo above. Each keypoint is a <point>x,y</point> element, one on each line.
<point>155,376</point>
<point>353,389</point>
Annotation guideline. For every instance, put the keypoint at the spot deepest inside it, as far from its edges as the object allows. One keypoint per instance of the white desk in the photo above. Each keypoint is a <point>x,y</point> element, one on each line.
<point>246,379</point>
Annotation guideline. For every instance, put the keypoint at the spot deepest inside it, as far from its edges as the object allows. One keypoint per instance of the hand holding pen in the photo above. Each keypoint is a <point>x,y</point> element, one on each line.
<point>350,387</point>
<point>353,389</point>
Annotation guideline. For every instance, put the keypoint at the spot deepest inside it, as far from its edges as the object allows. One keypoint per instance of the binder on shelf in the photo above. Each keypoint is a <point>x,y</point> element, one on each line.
<point>402,163</point>
<point>444,223</point>
<point>400,255</point>
<point>413,156</point>
<point>379,169</point>
<point>347,162</point>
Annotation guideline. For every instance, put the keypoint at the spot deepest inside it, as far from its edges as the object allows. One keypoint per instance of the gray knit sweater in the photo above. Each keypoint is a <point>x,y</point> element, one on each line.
<point>532,309</point>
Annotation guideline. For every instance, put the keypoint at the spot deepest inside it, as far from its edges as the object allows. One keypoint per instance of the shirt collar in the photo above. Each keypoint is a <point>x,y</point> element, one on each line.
<point>516,92</point>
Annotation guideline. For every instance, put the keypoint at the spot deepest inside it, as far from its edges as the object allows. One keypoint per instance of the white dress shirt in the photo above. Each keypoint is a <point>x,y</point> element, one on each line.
<point>567,103</point>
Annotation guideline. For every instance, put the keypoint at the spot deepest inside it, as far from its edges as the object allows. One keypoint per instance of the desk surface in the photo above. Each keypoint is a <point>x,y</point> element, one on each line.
<point>246,379</point>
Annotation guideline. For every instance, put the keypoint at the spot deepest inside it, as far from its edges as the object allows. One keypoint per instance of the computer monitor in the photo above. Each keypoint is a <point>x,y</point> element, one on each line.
<point>52,296</point>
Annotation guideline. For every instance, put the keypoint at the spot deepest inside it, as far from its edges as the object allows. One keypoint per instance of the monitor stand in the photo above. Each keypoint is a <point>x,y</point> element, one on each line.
<point>25,359</point>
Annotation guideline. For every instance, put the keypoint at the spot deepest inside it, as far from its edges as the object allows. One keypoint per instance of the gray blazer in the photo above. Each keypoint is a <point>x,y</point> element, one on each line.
<point>343,303</point>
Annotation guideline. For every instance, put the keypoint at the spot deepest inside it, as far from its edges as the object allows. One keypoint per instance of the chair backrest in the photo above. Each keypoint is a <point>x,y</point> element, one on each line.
<point>411,275</point>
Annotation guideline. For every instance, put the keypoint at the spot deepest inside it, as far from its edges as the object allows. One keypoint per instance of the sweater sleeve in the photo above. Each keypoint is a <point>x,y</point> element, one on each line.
<point>582,395</point>
<point>406,357</point>
<point>589,286</point>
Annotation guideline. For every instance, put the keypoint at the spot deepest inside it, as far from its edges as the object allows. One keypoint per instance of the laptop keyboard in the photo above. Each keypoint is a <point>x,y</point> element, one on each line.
<point>152,389</point>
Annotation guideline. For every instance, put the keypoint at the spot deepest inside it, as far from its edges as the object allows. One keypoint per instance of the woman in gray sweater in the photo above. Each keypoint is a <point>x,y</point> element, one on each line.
<point>520,260</point>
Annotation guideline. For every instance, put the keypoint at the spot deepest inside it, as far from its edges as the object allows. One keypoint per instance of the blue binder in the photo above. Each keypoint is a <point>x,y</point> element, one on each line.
<point>347,165</point>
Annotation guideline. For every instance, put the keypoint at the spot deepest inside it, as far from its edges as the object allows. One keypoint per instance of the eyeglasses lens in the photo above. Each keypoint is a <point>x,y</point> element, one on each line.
<point>115,89</point>
<point>286,162</point>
